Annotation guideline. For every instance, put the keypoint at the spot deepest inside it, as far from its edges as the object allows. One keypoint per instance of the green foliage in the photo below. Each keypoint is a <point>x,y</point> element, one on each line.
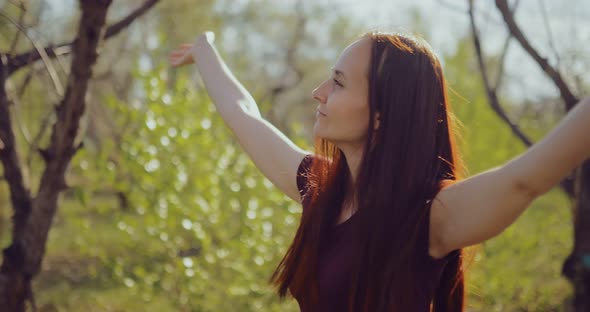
<point>204,229</point>
<point>520,270</point>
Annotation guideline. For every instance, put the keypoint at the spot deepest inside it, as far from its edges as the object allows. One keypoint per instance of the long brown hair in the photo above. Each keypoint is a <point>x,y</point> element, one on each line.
<point>411,155</point>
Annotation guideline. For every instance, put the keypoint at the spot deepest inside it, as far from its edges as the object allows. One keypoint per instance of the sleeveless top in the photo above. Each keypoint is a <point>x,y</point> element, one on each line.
<point>334,263</point>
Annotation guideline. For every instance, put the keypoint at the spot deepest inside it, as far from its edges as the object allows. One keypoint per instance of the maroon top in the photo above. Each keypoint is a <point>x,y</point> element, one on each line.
<point>336,254</point>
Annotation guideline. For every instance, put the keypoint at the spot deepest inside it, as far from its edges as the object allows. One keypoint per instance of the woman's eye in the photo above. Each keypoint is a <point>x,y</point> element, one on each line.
<point>337,82</point>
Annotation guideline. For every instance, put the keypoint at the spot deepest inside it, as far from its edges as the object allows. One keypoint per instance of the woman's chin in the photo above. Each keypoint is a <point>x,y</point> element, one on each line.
<point>317,131</point>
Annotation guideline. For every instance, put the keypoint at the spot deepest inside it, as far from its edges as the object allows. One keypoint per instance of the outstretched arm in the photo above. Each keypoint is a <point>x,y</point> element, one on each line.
<point>228,94</point>
<point>479,208</point>
<point>274,154</point>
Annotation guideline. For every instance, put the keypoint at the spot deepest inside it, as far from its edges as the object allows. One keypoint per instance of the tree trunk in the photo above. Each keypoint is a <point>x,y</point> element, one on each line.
<point>577,266</point>
<point>33,217</point>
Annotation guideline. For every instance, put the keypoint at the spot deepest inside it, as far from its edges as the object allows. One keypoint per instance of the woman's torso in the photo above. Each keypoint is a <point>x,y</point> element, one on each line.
<point>337,250</point>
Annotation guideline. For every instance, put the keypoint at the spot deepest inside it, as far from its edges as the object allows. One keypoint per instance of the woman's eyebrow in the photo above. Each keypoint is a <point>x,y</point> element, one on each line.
<point>338,72</point>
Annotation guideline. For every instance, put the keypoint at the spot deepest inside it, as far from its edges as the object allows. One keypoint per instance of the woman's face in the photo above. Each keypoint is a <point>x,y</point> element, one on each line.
<point>344,98</point>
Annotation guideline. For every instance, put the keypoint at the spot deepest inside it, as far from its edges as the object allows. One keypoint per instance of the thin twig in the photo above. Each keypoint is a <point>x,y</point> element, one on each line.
<point>23,59</point>
<point>505,47</point>
<point>566,184</point>
<point>500,73</point>
<point>19,193</point>
<point>492,96</point>
<point>42,54</point>
<point>19,122</point>
<point>568,97</point>
<point>34,145</point>
<point>549,33</point>
<point>21,18</point>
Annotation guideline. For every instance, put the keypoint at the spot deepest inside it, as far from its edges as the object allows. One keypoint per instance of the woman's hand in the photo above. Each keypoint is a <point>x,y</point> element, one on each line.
<point>186,53</point>
<point>181,56</point>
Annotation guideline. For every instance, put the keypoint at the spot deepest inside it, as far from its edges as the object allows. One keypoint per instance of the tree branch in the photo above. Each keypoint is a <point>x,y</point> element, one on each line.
<point>549,33</point>
<point>490,91</point>
<point>500,72</point>
<point>566,184</point>
<point>125,22</point>
<point>505,47</point>
<point>26,58</point>
<point>19,194</point>
<point>21,18</point>
<point>42,55</point>
<point>567,96</point>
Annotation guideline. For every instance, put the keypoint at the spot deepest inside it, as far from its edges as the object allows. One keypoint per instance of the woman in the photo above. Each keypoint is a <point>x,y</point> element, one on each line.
<point>385,216</point>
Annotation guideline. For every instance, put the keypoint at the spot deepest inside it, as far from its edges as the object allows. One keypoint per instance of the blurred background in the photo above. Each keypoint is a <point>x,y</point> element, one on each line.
<point>165,212</point>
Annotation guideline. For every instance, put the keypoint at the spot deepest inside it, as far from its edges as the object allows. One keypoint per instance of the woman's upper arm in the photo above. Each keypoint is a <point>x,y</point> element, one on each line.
<point>474,210</point>
<point>273,153</point>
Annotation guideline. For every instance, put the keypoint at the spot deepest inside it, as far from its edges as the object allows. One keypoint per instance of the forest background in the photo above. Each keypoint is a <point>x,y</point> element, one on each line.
<point>163,209</point>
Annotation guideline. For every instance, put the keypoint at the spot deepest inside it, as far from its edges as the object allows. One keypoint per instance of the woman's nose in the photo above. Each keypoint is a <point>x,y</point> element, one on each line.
<point>317,96</point>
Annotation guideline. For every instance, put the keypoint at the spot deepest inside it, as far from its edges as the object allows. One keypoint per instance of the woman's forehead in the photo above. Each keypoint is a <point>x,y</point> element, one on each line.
<point>354,60</point>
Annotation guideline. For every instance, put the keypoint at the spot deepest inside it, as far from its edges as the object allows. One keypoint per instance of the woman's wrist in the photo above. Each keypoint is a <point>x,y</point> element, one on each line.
<point>206,38</point>
<point>203,43</point>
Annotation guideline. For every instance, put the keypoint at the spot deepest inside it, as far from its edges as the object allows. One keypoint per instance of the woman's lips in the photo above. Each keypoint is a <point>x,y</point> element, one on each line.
<point>318,113</point>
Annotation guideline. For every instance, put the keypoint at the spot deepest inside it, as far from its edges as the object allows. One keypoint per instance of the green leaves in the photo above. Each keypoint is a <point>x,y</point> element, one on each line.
<point>204,229</point>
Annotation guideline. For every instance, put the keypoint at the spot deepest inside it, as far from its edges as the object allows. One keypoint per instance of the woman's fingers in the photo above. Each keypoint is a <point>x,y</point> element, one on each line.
<point>177,54</point>
<point>181,55</point>
<point>180,51</point>
<point>180,61</point>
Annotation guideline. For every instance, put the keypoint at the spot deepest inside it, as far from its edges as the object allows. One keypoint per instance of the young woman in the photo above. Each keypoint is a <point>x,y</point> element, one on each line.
<point>385,213</point>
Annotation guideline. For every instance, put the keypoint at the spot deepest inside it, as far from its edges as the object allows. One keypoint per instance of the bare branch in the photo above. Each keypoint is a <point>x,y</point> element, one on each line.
<point>549,33</point>
<point>15,101</point>
<point>21,18</point>
<point>490,91</point>
<point>34,145</point>
<point>42,55</point>
<point>125,22</point>
<point>505,47</point>
<point>21,125</point>
<point>23,59</point>
<point>568,97</point>
<point>500,73</point>
<point>25,84</point>
<point>19,194</point>
<point>566,184</point>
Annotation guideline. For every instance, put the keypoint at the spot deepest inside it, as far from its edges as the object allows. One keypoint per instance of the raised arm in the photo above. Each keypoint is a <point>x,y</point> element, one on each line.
<point>272,152</point>
<point>479,208</point>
